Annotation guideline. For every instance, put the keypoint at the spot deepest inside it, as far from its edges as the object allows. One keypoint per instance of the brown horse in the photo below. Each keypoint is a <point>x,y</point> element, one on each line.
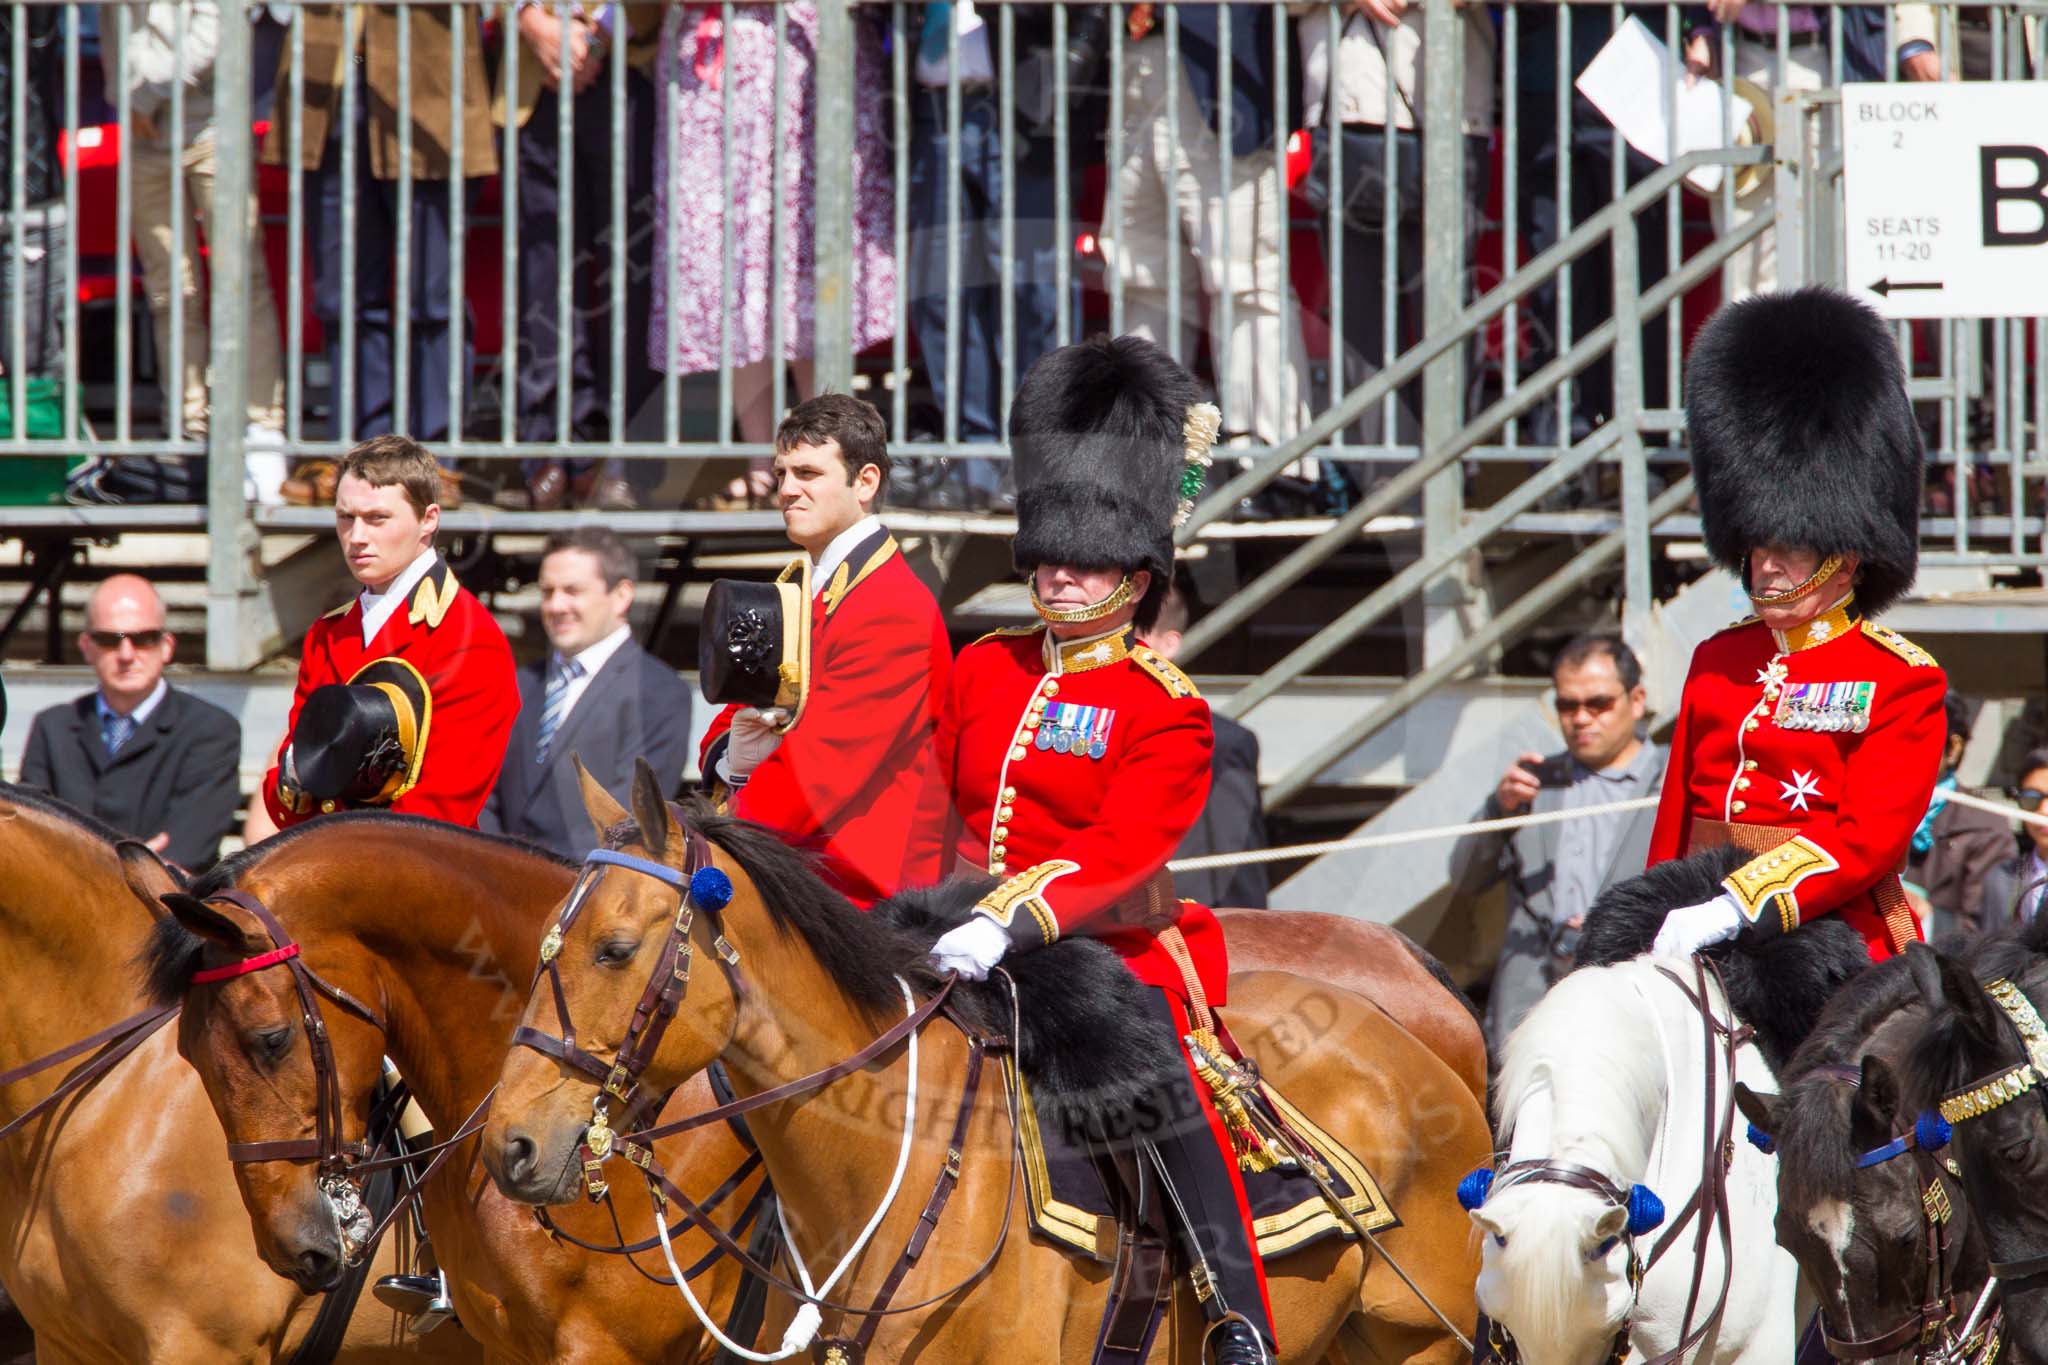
<point>816,981</point>
<point>437,926</point>
<point>123,1237</point>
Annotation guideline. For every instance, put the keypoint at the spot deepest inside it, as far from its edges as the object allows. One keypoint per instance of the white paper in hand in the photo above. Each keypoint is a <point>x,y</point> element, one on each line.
<point>1641,87</point>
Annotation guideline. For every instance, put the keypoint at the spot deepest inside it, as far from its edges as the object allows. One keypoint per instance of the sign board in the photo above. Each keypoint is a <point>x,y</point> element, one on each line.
<point>1945,198</point>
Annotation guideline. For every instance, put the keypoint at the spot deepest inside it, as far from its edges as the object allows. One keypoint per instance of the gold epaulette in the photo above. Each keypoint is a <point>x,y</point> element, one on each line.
<point>1001,631</point>
<point>1163,672</point>
<point>341,610</point>
<point>434,595</point>
<point>1734,626</point>
<point>1899,645</point>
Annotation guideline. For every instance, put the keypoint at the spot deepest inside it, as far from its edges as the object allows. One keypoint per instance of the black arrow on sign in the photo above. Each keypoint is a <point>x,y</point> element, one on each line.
<point>1885,288</point>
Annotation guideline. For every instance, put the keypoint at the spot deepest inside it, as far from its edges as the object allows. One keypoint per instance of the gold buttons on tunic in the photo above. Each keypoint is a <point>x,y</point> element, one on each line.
<point>1017,753</point>
<point>1052,687</point>
<point>1749,765</point>
<point>1749,724</point>
<point>1009,793</point>
<point>1031,722</point>
<point>996,867</point>
<point>1742,784</point>
<point>1005,812</point>
<point>1741,806</point>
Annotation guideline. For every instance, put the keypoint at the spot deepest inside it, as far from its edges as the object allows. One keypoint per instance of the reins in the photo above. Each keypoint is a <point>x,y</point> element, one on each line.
<point>702,887</point>
<point>115,1042</point>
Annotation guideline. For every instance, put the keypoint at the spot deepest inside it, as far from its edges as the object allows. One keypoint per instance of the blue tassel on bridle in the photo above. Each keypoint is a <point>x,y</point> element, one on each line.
<point>1473,1189</point>
<point>1645,1210</point>
<point>710,889</point>
<point>1761,1140</point>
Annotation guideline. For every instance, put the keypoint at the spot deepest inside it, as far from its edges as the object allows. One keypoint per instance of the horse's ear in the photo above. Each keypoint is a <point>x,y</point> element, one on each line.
<point>1877,1103</point>
<point>213,924</point>
<point>148,876</point>
<point>1925,965</point>
<point>650,807</point>
<point>598,803</point>
<point>1760,1110</point>
<point>1972,1007</point>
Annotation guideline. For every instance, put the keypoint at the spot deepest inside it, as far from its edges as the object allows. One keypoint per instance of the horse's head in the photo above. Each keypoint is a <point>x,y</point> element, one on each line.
<point>617,1017</point>
<point>277,1058</point>
<point>1970,1058</point>
<point>1555,1270</point>
<point>1877,1225</point>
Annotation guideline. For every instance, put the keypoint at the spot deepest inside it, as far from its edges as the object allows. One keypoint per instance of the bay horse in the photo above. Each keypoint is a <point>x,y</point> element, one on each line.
<point>435,926</point>
<point>1608,1074</point>
<point>812,982</point>
<point>121,1236</point>
<point>1878,1224</point>
<point>1971,1040</point>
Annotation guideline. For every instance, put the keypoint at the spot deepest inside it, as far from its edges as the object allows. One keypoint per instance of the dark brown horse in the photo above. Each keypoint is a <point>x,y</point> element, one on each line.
<point>815,981</point>
<point>123,1236</point>
<point>435,928</point>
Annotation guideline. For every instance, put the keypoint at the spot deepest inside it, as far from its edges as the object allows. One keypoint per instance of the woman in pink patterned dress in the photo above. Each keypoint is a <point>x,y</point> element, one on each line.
<point>705,67</point>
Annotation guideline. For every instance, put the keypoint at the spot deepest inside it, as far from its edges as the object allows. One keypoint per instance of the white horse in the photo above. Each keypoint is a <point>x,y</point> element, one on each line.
<point>1609,1072</point>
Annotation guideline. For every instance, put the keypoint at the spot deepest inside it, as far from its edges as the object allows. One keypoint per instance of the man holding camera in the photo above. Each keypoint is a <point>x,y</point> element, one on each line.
<point>1554,871</point>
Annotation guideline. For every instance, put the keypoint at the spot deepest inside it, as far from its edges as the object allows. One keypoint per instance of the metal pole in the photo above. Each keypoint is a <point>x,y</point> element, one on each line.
<point>232,560</point>
<point>1628,406</point>
<point>833,229</point>
<point>1443,231</point>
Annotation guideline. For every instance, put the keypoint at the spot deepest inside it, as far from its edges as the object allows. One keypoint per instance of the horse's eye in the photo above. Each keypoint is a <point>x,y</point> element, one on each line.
<point>617,953</point>
<point>2017,1152</point>
<point>271,1044</point>
<point>1599,1253</point>
<point>1500,1239</point>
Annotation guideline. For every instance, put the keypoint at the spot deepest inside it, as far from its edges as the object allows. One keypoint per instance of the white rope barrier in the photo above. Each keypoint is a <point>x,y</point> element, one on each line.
<point>1505,822</point>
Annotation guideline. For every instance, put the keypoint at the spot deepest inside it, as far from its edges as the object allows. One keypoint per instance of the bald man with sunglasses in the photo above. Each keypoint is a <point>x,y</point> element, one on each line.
<point>151,760</point>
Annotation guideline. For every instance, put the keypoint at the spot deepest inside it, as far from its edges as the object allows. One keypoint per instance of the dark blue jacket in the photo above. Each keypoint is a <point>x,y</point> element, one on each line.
<point>1254,71</point>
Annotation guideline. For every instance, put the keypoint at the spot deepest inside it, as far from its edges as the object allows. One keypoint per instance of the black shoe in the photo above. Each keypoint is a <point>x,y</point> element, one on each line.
<point>1236,1342</point>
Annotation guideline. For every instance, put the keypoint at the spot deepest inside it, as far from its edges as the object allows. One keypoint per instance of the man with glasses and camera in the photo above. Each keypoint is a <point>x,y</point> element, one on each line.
<point>1554,871</point>
<point>151,760</point>
<point>2012,891</point>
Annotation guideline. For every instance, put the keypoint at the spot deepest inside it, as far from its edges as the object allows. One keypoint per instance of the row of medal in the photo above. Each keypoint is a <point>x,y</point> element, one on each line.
<point>1838,707</point>
<point>1067,728</point>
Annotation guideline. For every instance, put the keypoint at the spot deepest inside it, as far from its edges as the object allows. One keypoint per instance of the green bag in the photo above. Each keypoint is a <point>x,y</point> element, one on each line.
<point>34,480</point>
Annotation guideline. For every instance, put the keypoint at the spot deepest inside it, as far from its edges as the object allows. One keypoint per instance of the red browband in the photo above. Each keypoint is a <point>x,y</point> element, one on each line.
<point>246,965</point>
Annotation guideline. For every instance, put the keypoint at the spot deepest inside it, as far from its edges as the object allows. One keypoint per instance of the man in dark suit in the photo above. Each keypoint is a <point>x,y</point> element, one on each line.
<point>597,696</point>
<point>148,759</point>
<point>1234,819</point>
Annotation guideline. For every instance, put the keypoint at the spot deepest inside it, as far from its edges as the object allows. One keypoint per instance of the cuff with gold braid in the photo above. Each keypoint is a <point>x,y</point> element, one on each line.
<point>1018,904</point>
<point>1765,888</point>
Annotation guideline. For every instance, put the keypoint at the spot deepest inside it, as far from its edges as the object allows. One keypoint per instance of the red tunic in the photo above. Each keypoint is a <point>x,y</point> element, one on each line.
<point>845,781</point>
<point>1834,730</point>
<point>1075,833</point>
<point>456,644</point>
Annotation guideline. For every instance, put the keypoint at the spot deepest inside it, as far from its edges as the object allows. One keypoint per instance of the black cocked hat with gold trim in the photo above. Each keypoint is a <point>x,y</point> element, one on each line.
<point>1109,439</point>
<point>755,644</point>
<point>361,743</point>
<point>1802,435</point>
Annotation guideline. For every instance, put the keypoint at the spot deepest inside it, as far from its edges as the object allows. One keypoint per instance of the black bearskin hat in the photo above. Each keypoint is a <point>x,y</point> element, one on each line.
<point>1802,435</point>
<point>1097,435</point>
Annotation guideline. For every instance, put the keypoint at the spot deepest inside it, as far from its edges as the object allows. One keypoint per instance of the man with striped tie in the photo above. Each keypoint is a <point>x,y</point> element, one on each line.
<point>435,755</point>
<point>597,698</point>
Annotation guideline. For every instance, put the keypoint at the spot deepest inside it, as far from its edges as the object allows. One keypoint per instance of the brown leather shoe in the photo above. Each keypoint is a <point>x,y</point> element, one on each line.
<point>548,488</point>
<point>451,489</point>
<point>311,484</point>
<point>613,494</point>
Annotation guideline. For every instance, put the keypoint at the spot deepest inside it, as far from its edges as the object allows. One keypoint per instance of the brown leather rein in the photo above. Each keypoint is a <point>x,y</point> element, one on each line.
<point>342,1165</point>
<point>621,1080</point>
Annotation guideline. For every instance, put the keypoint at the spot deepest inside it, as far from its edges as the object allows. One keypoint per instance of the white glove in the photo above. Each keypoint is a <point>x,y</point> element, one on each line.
<point>754,735</point>
<point>1693,927</point>
<point>972,948</point>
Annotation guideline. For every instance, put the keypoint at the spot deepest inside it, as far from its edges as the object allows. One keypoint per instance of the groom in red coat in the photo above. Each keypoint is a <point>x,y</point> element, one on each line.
<point>844,780</point>
<point>413,611</point>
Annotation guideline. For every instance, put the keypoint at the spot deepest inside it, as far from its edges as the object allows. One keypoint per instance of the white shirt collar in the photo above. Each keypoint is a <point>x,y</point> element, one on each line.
<point>378,606</point>
<point>140,713</point>
<point>842,545</point>
<point>599,654</point>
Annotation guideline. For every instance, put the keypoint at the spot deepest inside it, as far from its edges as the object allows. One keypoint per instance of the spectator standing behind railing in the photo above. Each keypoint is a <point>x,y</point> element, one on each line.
<point>1262,368</point>
<point>710,69</point>
<point>974,316</point>
<point>1380,74</point>
<point>1554,871</point>
<point>2013,890</point>
<point>166,49</point>
<point>581,173</point>
<point>371,61</point>
<point>35,275</point>
<point>1807,66</point>
<point>1956,848</point>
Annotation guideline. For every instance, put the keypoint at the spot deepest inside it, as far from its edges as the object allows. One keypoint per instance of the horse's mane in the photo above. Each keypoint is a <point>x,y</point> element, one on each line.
<point>1940,1059</point>
<point>173,952</point>
<point>1586,1039</point>
<point>42,802</point>
<point>1813,1114</point>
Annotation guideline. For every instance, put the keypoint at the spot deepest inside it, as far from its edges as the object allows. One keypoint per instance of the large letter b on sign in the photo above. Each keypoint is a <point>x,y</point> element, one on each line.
<point>2027,218</point>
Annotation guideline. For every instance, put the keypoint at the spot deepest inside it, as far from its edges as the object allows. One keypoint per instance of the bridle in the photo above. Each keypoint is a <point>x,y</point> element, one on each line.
<point>1935,1316</point>
<point>700,886</point>
<point>341,1164</point>
<point>2001,1088</point>
<point>1707,1208</point>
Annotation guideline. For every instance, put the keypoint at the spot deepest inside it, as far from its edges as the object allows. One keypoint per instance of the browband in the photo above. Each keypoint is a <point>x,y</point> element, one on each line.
<point>246,965</point>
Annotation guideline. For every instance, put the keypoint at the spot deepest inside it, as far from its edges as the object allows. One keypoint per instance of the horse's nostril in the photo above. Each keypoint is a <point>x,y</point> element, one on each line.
<point>318,1269</point>
<point>519,1157</point>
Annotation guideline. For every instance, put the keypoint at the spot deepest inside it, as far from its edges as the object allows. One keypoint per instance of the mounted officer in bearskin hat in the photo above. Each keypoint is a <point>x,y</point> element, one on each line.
<point>1808,735</point>
<point>1071,759</point>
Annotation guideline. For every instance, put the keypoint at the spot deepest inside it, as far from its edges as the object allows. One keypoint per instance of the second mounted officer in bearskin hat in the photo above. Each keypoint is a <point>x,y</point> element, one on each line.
<point>1809,735</point>
<point>1071,759</point>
